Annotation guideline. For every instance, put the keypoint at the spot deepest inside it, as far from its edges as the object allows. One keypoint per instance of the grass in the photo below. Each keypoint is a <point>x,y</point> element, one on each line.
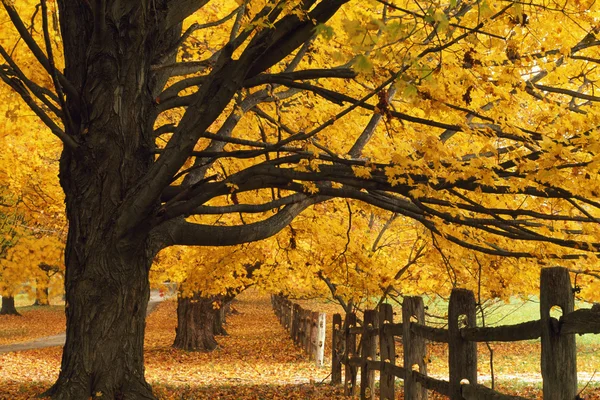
<point>516,364</point>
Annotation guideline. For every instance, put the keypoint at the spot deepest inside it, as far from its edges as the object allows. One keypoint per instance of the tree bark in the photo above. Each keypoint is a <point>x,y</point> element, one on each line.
<point>195,324</point>
<point>103,354</point>
<point>218,328</point>
<point>41,296</point>
<point>108,56</point>
<point>8,306</point>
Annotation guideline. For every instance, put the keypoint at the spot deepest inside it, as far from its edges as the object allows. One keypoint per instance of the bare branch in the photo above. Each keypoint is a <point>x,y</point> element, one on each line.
<point>36,50</point>
<point>21,89</point>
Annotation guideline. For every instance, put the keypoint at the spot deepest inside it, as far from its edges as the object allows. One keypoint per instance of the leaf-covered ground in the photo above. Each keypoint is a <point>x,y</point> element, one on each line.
<point>34,322</point>
<point>256,361</point>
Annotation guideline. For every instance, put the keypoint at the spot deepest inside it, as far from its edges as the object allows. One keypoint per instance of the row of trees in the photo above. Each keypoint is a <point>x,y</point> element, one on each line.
<point>473,124</point>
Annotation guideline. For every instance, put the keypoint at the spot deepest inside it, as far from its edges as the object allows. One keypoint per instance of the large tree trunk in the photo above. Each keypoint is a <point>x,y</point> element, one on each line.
<point>103,354</point>
<point>8,306</point>
<point>195,324</point>
<point>109,251</point>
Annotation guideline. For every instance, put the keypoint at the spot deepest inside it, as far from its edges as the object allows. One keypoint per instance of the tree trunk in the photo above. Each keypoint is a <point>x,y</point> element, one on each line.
<point>41,296</point>
<point>8,306</point>
<point>195,324</point>
<point>219,329</point>
<point>103,354</point>
<point>109,50</point>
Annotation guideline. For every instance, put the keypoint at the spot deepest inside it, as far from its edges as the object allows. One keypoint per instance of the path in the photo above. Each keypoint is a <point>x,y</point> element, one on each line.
<point>59,340</point>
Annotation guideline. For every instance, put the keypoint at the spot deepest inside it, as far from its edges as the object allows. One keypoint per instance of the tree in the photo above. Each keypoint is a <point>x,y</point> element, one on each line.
<point>490,144</point>
<point>208,279</point>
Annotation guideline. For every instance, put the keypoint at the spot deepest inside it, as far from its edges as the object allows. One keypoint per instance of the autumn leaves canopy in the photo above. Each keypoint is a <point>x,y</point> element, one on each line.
<point>470,126</point>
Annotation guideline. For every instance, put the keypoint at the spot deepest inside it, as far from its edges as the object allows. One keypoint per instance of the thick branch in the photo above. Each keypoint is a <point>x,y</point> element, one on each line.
<point>189,234</point>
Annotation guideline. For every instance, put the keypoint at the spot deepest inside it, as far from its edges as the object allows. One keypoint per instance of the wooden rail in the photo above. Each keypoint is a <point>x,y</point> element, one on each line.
<point>378,333</point>
<point>306,327</point>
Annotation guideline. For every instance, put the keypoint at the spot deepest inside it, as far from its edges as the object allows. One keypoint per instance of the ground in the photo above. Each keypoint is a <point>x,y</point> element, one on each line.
<point>256,361</point>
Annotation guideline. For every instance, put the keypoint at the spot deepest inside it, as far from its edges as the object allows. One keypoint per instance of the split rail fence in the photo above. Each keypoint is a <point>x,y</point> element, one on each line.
<point>306,327</point>
<point>559,368</point>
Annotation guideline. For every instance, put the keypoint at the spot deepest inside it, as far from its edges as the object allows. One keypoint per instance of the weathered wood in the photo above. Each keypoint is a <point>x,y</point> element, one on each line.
<point>320,345</point>
<point>314,321</point>
<point>287,314</point>
<point>415,351</point>
<point>337,349</point>
<point>559,357</point>
<point>437,385</point>
<point>357,330</point>
<point>480,392</point>
<point>355,361</point>
<point>368,353</point>
<point>388,368</point>
<point>300,327</point>
<point>387,352</point>
<point>296,323</point>
<point>430,333</point>
<point>350,370</point>
<point>307,331</point>
<point>581,321</point>
<point>394,329</point>
<point>506,333</point>
<point>462,355</point>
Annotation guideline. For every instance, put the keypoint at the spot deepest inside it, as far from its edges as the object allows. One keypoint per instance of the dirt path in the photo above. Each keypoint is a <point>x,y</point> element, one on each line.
<point>59,340</point>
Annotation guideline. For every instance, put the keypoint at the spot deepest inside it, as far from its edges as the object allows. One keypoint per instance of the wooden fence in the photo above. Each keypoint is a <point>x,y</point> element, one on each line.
<point>306,327</point>
<point>378,330</point>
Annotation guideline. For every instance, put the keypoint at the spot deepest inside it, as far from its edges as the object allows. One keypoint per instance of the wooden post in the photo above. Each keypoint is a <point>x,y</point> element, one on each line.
<point>368,352</point>
<point>559,354</point>
<point>350,370</point>
<point>336,349</point>
<point>288,314</point>
<point>296,323</point>
<point>462,354</point>
<point>314,336</point>
<point>307,331</point>
<point>387,351</point>
<point>415,351</point>
<point>320,345</point>
<point>300,332</point>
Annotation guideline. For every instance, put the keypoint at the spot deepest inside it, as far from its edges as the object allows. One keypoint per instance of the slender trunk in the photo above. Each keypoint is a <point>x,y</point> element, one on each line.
<point>41,295</point>
<point>195,324</point>
<point>8,306</point>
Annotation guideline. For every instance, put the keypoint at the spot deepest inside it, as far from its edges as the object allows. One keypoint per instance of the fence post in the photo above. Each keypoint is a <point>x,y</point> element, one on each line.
<point>387,351</point>
<point>314,320</point>
<point>296,323</point>
<point>289,313</point>
<point>336,346</point>
<point>559,354</point>
<point>368,352</point>
<point>300,331</point>
<point>307,331</point>
<point>350,370</point>
<point>462,354</point>
<point>320,345</point>
<point>415,351</point>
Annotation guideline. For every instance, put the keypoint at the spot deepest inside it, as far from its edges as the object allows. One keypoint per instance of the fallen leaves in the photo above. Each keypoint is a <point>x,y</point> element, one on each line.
<point>34,322</point>
<point>257,361</point>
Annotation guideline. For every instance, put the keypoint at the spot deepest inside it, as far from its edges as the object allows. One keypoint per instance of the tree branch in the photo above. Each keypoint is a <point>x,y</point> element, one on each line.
<point>36,50</point>
<point>21,89</point>
<point>189,234</point>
